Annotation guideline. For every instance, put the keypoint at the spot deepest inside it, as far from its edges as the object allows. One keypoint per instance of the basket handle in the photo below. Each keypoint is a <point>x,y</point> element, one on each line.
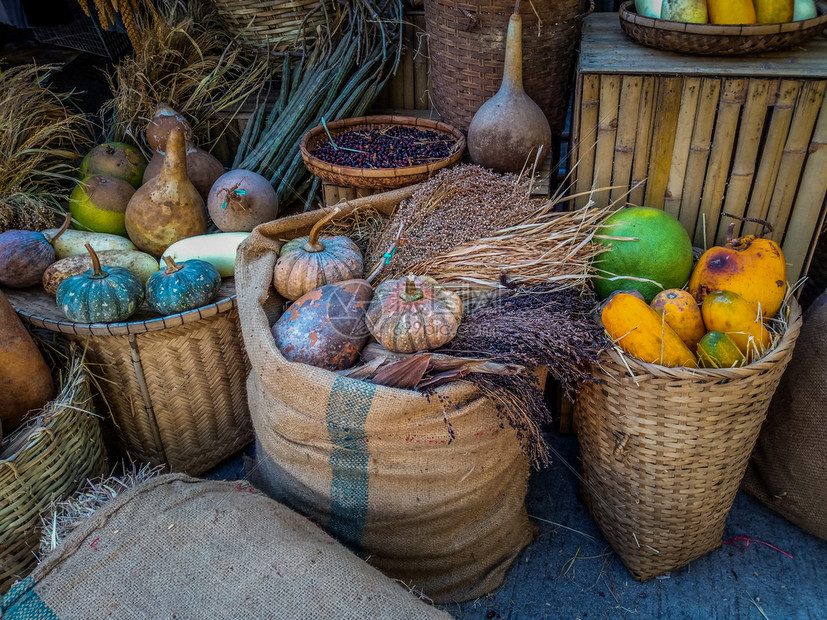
<point>589,10</point>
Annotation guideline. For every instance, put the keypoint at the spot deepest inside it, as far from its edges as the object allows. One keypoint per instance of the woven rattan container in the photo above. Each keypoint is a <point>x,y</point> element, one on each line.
<point>49,458</point>
<point>663,451</point>
<point>275,25</point>
<point>467,53</point>
<point>717,39</point>
<point>175,385</point>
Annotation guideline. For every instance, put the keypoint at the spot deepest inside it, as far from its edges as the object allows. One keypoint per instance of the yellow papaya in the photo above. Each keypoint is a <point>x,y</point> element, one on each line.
<point>718,350</point>
<point>682,313</point>
<point>728,312</point>
<point>643,333</point>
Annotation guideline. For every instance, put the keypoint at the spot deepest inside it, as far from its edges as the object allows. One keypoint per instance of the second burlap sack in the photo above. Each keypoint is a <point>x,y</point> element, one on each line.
<point>429,489</point>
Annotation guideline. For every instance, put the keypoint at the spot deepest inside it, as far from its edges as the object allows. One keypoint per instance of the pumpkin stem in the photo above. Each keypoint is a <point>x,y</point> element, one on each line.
<point>63,228</point>
<point>412,292</point>
<point>313,244</point>
<point>172,266</point>
<point>96,263</point>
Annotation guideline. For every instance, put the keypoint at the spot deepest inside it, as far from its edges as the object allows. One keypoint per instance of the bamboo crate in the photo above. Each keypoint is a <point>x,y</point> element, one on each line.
<point>701,136</point>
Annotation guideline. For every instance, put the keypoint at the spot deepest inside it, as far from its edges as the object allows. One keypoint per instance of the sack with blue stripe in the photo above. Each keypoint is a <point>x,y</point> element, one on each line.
<point>428,489</point>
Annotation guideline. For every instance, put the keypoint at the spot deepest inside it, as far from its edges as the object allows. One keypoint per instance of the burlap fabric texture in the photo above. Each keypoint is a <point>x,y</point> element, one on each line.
<point>430,490</point>
<point>178,547</point>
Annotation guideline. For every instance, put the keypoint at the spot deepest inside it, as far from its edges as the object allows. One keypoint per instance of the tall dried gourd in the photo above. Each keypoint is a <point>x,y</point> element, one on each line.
<point>166,208</point>
<point>510,129</point>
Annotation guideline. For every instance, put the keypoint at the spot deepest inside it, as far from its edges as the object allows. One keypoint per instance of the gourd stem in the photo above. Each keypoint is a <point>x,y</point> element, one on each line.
<point>64,227</point>
<point>172,266</point>
<point>313,244</point>
<point>411,292</point>
<point>96,263</point>
<point>175,156</point>
<point>513,66</point>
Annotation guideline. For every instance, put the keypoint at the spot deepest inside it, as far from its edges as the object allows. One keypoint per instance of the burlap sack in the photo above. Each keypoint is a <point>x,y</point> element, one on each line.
<point>788,468</point>
<point>178,547</point>
<point>429,490</point>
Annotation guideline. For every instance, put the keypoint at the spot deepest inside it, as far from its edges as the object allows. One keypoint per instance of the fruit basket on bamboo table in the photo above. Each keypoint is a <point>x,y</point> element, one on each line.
<point>664,450</point>
<point>717,39</point>
<point>175,385</point>
<point>364,181</point>
<point>49,457</point>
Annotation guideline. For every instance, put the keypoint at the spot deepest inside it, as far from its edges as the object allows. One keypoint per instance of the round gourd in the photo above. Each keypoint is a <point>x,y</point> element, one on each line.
<point>182,286</point>
<point>643,333</point>
<point>101,294</point>
<point>309,262</point>
<point>26,254</point>
<point>413,314</point>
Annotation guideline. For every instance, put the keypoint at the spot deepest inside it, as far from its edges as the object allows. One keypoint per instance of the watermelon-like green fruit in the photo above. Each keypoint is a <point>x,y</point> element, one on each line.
<point>649,251</point>
<point>115,159</point>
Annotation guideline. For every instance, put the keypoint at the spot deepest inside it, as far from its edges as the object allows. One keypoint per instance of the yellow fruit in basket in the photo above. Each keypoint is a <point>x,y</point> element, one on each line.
<point>718,350</point>
<point>682,313</point>
<point>731,11</point>
<point>689,11</point>
<point>643,333</point>
<point>774,11</point>
<point>728,312</point>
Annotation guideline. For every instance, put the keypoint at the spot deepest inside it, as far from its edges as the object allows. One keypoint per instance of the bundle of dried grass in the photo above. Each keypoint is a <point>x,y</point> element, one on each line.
<point>185,57</point>
<point>132,14</point>
<point>540,328</point>
<point>65,515</point>
<point>41,143</point>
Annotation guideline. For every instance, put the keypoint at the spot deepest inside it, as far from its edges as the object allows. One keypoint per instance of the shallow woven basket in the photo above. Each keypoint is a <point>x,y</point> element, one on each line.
<point>275,25</point>
<point>53,456</point>
<point>376,178</point>
<point>716,39</point>
<point>466,43</point>
<point>664,451</point>
<point>175,385</point>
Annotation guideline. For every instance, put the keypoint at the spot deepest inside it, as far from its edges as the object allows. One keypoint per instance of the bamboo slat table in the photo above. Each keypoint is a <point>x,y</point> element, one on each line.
<point>702,136</point>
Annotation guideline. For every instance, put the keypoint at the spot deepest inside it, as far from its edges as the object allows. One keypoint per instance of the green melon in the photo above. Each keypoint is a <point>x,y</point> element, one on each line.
<point>649,251</point>
<point>115,159</point>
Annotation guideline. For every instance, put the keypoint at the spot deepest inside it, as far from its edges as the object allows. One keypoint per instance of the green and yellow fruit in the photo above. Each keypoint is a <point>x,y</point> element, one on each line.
<point>115,159</point>
<point>98,204</point>
<point>718,350</point>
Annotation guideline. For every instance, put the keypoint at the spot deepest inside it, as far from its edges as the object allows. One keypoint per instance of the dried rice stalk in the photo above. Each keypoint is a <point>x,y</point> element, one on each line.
<point>360,225</point>
<point>41,143</point>
<point>185,57</point>
<point>131,12</point>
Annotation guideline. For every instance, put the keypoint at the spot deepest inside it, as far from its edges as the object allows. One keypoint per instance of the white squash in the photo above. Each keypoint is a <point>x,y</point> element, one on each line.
<point>219,249</point>
<point>73,242</point>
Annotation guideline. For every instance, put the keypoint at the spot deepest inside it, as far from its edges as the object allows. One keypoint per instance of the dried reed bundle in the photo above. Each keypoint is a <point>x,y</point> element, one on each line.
<point>185,57</point>
<point>360,225</point>
<point>540,328</point>
<point>41,143</point>
<point>65,515</point>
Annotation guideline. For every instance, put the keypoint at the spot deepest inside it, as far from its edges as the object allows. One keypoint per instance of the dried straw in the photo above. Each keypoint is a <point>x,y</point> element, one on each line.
<point>360,225</point>
<point>41,143</point>
<point>185,57</point>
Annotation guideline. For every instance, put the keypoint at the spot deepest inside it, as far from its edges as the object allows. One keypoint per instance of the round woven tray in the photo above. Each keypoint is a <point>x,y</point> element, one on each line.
<point>376,178</point>
<point>274,25</point>
<point>53,456</point>
<point>664,450</point>
<point>714,39</point>
<point>175,385</point>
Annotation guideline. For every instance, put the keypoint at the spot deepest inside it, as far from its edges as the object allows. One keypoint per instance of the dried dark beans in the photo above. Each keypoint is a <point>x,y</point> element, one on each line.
<point>386,147</point>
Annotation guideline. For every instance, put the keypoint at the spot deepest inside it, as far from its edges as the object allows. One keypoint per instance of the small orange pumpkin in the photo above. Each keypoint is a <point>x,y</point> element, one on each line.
<point>413,314</point>
<point>644,333</point>
<point>309,262</point>
<point>728,312</point>
<point>753,268</point>
<point>682,313</point>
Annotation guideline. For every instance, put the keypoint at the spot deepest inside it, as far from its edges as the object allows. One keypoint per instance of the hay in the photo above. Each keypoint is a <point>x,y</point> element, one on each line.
<point>187,59</point>
<point>41,143</point>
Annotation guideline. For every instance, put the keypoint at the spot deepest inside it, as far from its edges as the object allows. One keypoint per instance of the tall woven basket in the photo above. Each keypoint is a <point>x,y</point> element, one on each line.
<point>175,385</point>
<point>49,458</point>
<point>466,41</point>
<point>273,25</point>
<point>663,451</point>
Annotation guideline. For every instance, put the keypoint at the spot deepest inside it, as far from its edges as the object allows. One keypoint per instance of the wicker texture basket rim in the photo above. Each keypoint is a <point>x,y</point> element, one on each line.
<point>717,39</point>
<point>337,127</point>
<point>785,342</point>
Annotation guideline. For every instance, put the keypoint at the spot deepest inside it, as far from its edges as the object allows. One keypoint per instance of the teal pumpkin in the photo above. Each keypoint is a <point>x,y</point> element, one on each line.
<point>182,286</point>
<point>101,294</point>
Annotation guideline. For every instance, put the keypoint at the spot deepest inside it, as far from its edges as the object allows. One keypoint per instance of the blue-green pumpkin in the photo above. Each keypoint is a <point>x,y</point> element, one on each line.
<point>182,286</point>
<point>100,294</point>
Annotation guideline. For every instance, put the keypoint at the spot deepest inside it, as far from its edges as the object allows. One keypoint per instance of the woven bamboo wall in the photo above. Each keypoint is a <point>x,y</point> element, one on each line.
<point>703,137</point>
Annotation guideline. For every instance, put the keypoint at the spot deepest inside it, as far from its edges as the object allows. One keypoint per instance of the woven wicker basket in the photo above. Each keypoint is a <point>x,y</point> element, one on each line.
<point>175,385</point>
<point>664,451</point>
<point>275,25</point>
<point>716,39</point>
<point>376,178</point>
<point>466,41</point>
<point>51,457</point>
